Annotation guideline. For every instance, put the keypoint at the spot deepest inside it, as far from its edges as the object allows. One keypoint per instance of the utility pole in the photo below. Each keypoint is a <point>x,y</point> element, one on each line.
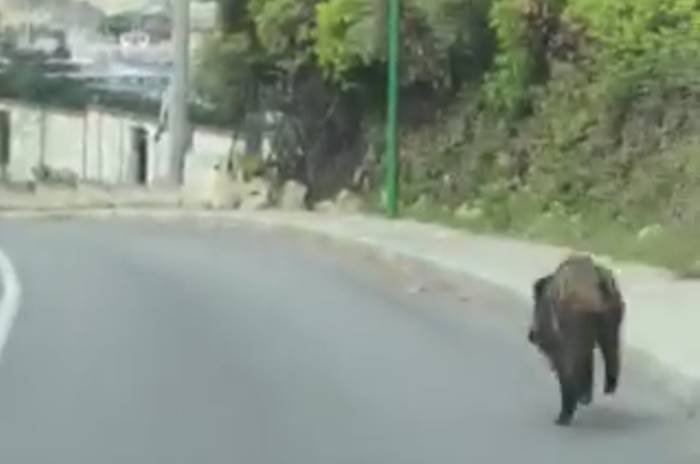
<point>391,159</point>
<point>178,121</point>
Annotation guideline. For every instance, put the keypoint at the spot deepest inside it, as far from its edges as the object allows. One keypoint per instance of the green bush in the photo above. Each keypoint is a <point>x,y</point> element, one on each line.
<point>574,121</point>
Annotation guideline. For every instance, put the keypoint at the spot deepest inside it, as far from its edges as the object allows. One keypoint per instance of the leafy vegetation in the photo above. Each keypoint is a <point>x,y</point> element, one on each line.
<point>574,121</point>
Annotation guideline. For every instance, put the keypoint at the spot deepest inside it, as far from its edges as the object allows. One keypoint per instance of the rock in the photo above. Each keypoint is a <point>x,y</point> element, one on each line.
<point>468,212</point>
<point>228,193</point>
<point>256,195</point>
<point>224,192</point>
<point>293,196</point>
<point>326,207</point>
<point>422,203</point>
<point>650,231</point>
<point>348,202</point>
<point>254,203</point>
<point>258,186</point>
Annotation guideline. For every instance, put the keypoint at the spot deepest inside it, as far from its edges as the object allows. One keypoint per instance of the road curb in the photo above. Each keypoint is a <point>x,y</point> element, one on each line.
<point>10,296</point>
<point>685,387</point>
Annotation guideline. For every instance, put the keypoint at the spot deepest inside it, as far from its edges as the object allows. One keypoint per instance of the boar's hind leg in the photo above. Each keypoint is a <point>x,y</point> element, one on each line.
<point>586,379</point>
<point>568,385</point>
<point>609,342</point>
<point>568,392</point>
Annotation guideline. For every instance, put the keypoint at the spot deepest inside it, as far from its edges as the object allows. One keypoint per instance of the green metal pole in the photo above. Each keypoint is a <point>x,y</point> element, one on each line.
<point>394,25</point>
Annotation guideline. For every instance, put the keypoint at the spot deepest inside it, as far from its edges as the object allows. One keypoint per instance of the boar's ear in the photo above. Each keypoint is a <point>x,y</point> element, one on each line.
<point>538,287</point>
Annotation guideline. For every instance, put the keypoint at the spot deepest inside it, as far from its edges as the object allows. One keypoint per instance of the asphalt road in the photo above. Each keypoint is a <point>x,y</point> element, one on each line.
<point>146,343</point>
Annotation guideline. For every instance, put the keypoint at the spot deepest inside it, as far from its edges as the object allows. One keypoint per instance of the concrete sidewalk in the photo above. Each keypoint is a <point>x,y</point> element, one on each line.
<point>663,318</point>
<point>86,196</point>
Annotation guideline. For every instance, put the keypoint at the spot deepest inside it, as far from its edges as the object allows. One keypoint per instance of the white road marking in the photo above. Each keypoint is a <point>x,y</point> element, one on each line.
<point>9,299</point>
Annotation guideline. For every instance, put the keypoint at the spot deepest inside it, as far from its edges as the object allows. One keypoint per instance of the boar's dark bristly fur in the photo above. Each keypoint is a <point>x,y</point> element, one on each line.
<point>577,308</point>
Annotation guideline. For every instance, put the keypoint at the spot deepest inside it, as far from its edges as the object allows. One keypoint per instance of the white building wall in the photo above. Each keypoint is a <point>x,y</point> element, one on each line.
<point>210,148</point>
<point>98,145</point>
<point>64,145</point>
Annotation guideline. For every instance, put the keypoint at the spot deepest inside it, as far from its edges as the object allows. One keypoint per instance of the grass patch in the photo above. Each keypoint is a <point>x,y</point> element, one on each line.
<point>674,248</point>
